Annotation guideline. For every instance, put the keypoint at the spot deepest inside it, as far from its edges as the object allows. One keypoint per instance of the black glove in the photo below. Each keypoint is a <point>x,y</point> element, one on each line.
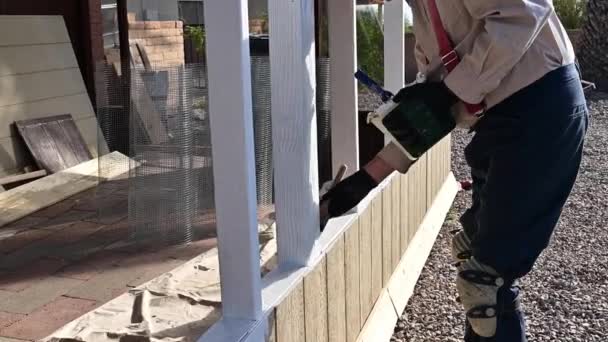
<point>436,95</point>
<point>348,193</point>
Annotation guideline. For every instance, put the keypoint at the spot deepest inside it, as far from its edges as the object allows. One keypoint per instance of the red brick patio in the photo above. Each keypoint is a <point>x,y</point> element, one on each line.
<point>63,261</point>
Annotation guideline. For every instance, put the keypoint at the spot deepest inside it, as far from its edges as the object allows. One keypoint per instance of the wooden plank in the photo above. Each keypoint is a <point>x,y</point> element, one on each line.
<point>24,88</point>
<point>336,291</point>
<point>402,284</point>
<point>352,270</point>
<point>404,211</point>
<point>377,246</point>
<point>55,142</point>
<point>26,199</point>
<point>396,222</point>
<point>79,105</point>
<point>382,317</point>
<point>32,30</point>
<point>22,177</point>
<point>422,186</point>
<point>144,57</point>
<point>27,59</point>
<point>391,303</point>
<point>387,234</point>
<point>365,263</point>
<point>146,110</point>
<point>271,334</point>
<point>294,128</point>
<point>315,304</point>
<point>290,317</point>
<point>344,101</point>
<point>229,74</point>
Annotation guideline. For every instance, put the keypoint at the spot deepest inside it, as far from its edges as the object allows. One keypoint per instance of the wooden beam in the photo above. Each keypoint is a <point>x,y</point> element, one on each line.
<point>344,101</point>
<point>23,177</point>
<point>294,129</point>
<point>39,194</point>
<point>229,73</point>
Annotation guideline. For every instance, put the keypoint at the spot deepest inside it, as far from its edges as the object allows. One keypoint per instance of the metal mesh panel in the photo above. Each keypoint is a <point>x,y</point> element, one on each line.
<point>113,118</point>
<point>168,190</point>
<point>170,180</point>
<point>324,120</point>
<point>260,84</point>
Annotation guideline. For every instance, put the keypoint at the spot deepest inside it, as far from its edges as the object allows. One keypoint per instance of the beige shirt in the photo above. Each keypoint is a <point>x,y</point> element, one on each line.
<point>504,46</point>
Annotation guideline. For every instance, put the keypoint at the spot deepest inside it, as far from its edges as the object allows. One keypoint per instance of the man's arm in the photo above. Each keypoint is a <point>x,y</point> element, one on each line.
<point>510,27</point>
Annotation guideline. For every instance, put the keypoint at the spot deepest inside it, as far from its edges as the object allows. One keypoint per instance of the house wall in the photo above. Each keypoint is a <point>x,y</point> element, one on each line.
<point>34,87</point>
<point>347,293</point>
<point>83,21</point>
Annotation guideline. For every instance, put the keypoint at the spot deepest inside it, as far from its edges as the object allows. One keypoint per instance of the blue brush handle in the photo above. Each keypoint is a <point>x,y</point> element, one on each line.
<point>373,85</point>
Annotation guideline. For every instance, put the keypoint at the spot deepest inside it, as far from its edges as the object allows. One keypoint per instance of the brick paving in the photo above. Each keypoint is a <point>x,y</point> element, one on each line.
<point>70,258</point>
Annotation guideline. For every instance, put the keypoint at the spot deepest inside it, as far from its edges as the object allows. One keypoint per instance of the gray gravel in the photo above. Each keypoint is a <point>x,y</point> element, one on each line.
<point>565,296</point>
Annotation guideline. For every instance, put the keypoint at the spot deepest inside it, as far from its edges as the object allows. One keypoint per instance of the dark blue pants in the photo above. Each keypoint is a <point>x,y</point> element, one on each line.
<point>524,159</point>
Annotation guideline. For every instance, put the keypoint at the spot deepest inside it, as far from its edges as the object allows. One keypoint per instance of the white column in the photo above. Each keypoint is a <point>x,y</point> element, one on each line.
<point>294,128</point>
<point>233,157</point>
<point>394,45</point>
<point>344,102</point>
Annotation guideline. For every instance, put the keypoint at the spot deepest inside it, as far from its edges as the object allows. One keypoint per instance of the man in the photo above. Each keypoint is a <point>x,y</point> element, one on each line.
<point>517,61</point>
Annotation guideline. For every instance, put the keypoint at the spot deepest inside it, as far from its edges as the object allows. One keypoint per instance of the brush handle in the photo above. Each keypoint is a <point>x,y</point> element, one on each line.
<point>373,85</point>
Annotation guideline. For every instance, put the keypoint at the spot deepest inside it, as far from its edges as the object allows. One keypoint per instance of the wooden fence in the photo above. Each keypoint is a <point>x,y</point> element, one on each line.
<point>352,281</point>
<point>334,301</point>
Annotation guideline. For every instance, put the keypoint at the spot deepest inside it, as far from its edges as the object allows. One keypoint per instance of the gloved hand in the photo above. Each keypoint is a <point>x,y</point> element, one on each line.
<point>348,193</point>
<point>436,95</point>
<point>440,99</point>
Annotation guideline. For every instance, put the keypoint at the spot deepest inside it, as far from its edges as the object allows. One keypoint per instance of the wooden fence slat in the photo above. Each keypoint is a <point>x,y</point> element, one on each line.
<point>377,246</point>
<point>396,220</point>
<point>404,211</point>
<point>387,235</point>
<point>365,260</point>
<point>272,327</point>
<point>315,304</point>
<point>336,292</point>
<point>290,317</point>
<point>423,185</point>
<point>352,279</point>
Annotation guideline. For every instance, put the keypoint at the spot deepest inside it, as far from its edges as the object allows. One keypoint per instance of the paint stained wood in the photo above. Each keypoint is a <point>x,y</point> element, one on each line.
<point>55,142</point>
<point>336,292</point>
<point>365,253</point>
<point>290,317</point>
<point>396,222</point>
<point>352,277</point>
<point>377,257</point>
<point>404,212</point>
<point>387,234</point>
<point>315,304</point>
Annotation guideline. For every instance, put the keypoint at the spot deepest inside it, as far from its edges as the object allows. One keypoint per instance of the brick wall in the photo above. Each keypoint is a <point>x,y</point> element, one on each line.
<point>163,40</point>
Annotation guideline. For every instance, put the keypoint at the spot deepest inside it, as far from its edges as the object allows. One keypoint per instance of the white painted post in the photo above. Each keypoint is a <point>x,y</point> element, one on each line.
<point>344,101</point>
<point>294,129</point>
<point>229,65</point>
<point>394,47</point>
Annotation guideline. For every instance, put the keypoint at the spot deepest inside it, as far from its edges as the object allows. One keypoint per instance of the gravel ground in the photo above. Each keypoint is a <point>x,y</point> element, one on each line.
<point>565,296</point>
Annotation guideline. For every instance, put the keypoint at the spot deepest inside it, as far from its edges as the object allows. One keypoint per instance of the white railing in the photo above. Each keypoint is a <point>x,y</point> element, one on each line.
<point>247,300</point>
